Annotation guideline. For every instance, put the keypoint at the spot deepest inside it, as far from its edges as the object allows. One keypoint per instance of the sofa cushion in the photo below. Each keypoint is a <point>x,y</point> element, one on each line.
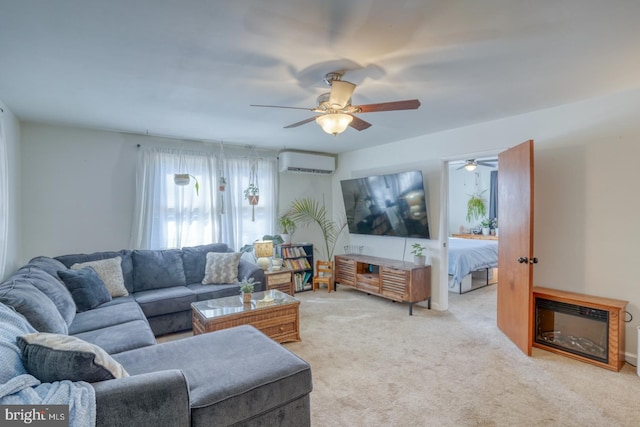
<point>52,288</point>
<point>122,337</point>
<point>195,260</point>
<point>110,271</point>
<point>221,268</point>
<point>12,325</point>
<point>206,292</point>
<point>35,306</point>
<point>86,287</point>
<point>54,357</point>
<point>244,369</point>
<point>50,265</point>
<point>165,300</point>
<point>125,254</point>
<point>106,315</point>
<point>153,269</point>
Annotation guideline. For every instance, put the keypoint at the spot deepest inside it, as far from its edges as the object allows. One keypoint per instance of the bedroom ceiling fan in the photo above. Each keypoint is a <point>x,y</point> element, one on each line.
<point>335,110</point>
<point>472,164</point>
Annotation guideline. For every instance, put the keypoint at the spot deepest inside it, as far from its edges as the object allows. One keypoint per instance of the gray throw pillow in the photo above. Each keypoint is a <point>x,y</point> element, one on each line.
<point>110,271</point>
<point>86,287</point>
<point>221,267</point>
<point>35,306</point>
<point>53,357</point>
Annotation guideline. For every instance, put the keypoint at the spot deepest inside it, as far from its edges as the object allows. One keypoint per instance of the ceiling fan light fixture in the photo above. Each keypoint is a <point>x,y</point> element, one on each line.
<point>334,123</point>
<point>470,166</point>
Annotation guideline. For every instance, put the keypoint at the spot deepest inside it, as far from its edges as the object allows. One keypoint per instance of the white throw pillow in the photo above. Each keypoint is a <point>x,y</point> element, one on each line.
<point>110,271</point>
<point>221,267</point>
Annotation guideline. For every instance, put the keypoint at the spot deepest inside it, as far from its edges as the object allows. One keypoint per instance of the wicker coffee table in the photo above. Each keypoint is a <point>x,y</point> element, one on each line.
<point>273,312</point>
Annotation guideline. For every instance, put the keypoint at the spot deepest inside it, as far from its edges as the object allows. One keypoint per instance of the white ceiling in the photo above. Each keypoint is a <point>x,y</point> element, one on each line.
<point>190,69</point>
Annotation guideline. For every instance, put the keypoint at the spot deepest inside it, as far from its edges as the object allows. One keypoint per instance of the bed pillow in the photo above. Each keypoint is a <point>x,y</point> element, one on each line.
<point>53,357</point>
<point>110,271</point>
<point>86,287</point>
<point>221,267</point>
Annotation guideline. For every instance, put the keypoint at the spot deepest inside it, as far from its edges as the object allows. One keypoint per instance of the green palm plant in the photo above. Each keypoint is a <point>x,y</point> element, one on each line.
<point>308,211</point>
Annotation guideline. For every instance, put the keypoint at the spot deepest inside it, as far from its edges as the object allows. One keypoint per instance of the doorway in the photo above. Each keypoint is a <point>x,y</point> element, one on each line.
<point>472,224</point>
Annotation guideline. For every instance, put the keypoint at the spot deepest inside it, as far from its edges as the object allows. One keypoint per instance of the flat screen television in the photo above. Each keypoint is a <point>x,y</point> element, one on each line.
<point>387,205</point>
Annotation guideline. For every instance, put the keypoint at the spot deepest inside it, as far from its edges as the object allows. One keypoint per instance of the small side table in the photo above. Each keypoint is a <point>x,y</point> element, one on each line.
<point>281,280</point>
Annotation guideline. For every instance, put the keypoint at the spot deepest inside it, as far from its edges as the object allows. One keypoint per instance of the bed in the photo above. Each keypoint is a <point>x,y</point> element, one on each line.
<point>467,256</point>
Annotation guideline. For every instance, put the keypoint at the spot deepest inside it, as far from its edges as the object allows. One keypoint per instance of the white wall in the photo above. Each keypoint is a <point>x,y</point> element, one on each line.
<point>586,222</point>
<point>462,184</point>
<point>79,189</point>
<point>11,129</point>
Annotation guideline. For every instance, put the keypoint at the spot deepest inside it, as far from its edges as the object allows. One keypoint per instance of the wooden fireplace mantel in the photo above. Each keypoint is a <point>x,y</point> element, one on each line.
<point>615,308</point>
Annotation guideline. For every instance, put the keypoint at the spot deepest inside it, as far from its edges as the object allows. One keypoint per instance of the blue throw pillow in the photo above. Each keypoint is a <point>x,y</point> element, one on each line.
<point>86,287</point>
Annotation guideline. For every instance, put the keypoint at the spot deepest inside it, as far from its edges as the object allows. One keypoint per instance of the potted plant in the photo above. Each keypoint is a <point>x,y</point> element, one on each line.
<point>252,194</point>
<point>222,183</point>
<point>184,179</point>
<point>486,226</point>
<point>476,207</point>
<point>308,211</point>
<point>247,286</point>
<point>494,225</point>
<point>287,227</point>
<point>418,257</point>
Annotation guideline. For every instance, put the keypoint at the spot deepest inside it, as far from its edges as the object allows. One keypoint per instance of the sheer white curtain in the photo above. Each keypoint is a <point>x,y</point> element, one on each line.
<point>4,199</point>
<point>171,216</point>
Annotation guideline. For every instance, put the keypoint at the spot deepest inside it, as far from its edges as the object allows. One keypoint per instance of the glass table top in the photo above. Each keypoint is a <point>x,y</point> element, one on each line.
<point>234,305</point>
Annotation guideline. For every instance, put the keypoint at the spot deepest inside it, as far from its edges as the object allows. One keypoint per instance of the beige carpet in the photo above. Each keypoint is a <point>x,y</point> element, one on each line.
<point>374,365</point>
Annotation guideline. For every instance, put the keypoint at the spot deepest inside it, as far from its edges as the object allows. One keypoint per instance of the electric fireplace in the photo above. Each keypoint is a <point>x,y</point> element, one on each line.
<point>583,327</point>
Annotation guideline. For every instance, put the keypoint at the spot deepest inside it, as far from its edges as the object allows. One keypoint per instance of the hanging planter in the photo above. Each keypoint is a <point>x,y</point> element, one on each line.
<point>252,194</point>
<point>183,179</point>
<point>222,183</point>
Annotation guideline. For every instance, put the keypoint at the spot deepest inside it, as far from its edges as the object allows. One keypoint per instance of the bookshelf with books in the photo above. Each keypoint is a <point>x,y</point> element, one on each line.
<point>298,257</point>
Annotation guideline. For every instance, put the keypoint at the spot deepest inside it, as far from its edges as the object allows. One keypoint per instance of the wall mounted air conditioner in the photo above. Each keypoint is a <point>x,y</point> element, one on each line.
<point>293,161</point>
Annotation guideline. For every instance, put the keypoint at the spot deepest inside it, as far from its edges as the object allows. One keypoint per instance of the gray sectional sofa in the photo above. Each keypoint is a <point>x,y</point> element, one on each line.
<point>236,376</point>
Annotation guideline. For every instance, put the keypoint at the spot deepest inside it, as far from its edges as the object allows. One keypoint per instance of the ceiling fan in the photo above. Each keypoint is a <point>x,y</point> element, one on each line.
<point>472,164</point>
<point>336,112</point>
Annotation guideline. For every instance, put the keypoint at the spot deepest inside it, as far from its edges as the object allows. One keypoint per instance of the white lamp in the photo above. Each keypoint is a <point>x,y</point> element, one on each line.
<point>263,250</point>
<point>334,123</point>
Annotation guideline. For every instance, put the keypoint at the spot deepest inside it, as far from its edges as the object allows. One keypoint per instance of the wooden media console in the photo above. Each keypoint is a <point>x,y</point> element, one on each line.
<point>392,279</point>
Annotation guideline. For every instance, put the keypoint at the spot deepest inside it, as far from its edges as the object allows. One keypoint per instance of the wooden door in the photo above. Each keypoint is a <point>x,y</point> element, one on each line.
<point>515,252</point>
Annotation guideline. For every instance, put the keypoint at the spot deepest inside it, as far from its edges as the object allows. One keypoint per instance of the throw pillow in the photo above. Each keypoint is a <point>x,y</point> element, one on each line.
<point>86,287</point>
<point>53,357</point>
<point>221,267</point>
<point>110,271</point>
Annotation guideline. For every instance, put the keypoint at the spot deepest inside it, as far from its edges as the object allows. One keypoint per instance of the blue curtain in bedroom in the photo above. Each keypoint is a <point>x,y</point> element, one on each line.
<point>493,195</point>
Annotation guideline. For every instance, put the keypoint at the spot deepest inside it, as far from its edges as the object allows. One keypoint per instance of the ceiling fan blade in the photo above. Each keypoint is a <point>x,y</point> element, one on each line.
<point>491,164</point>
<point>409,104</point>
<point>340,94</point>
<point>280,106</point>
<point>358,124</point>
<point>305,121</point>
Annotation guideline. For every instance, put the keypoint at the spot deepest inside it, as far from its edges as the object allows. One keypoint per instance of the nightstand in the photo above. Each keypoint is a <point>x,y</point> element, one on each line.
<point>281,280</point>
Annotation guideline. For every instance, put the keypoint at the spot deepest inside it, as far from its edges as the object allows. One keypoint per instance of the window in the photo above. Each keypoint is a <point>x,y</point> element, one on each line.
<point>172,216</point>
